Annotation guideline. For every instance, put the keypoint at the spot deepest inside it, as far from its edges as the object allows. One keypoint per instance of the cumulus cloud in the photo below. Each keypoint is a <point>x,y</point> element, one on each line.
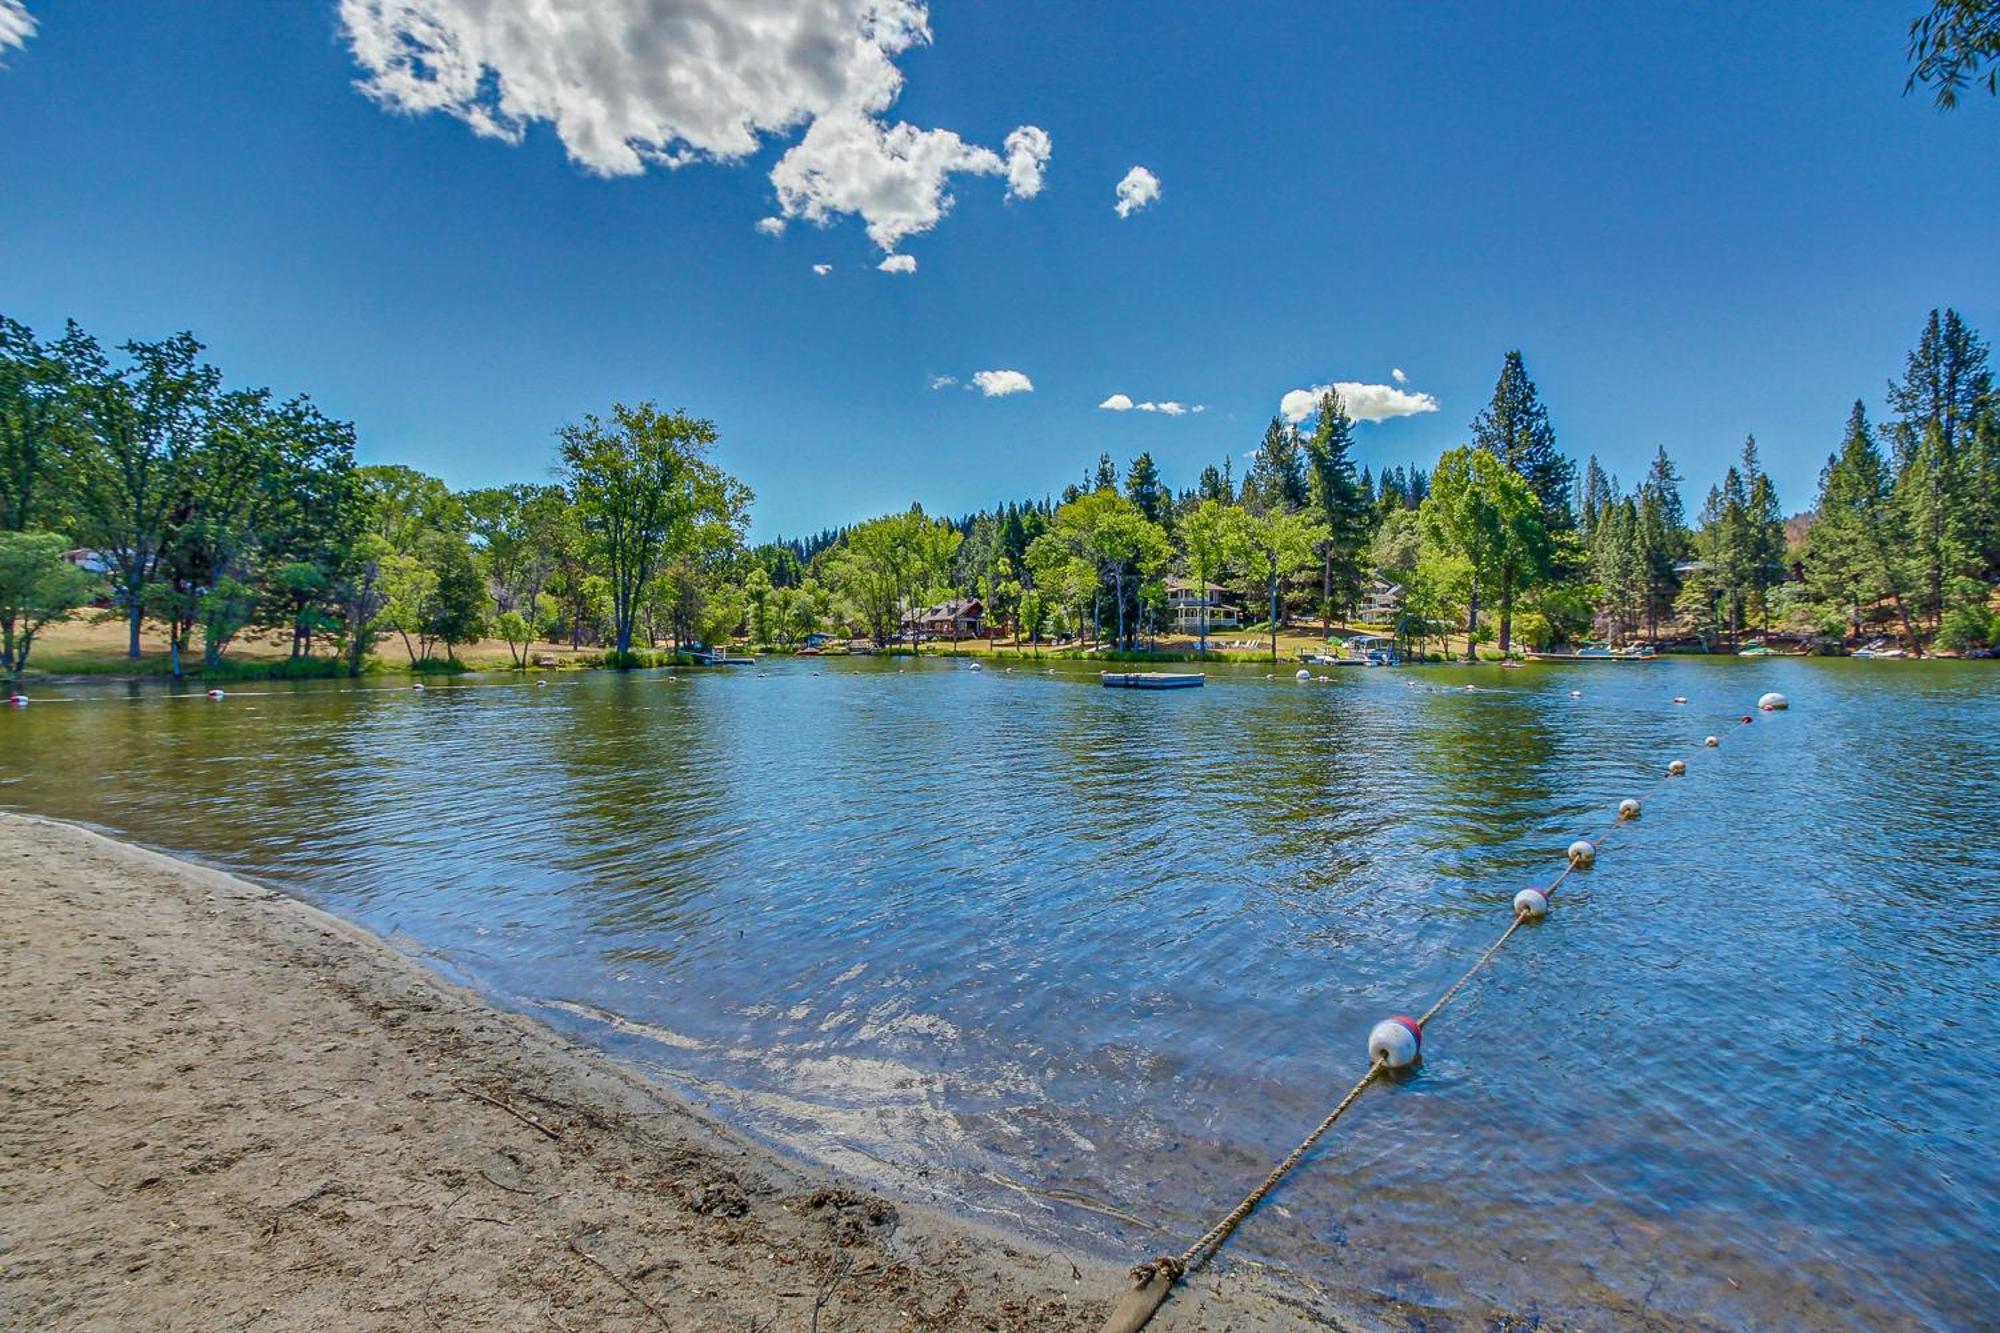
<point>771,226</point>
<point>1364,402</point>
<point>1120,402</point>
<point>1139,188</point>
<point>1398,376</point>
<point>822,269</point>
<point>630,84</point>
<point>1000,383</point>
<point>17,25</point>
<point>1028,150</point>
<point>898,264</point>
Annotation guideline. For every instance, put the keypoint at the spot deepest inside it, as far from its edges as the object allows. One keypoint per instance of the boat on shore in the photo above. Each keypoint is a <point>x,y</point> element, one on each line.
<point>1151,680</point>
<point>723,659</point>
<point>1880,649</point>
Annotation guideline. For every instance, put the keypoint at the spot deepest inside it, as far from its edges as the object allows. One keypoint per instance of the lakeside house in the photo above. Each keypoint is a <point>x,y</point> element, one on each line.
<point>958,618</point>
<point>1190,607</point>
<point>1381,601</point>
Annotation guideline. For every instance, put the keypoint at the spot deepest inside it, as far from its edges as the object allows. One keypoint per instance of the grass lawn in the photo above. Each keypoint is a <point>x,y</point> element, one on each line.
<point>88,646</point>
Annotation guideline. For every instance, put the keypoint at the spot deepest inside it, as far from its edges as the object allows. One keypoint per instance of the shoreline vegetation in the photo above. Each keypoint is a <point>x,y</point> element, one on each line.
<point>231,535</point>
<point>246,1111</point>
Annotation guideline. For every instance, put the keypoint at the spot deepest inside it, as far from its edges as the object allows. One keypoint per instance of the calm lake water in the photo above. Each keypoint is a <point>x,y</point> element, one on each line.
<point>1070,958</point>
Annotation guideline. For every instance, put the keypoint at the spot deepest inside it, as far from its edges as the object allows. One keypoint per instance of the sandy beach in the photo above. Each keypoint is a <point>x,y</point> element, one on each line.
<point>222,1108</point>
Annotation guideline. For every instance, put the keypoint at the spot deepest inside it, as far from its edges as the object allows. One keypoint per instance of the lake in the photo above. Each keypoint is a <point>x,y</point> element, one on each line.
<point>1085,962</point>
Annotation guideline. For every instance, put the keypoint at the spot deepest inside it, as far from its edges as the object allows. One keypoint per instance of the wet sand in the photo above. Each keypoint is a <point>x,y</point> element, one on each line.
<point>221,1108</point>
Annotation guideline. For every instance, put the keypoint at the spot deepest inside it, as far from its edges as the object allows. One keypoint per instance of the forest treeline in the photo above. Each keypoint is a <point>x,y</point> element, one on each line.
<point>137,482</point>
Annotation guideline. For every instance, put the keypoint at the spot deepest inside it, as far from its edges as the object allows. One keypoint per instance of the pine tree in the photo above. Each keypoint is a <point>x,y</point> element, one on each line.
<point>1515,426</point>
<point>1856,549</point>
<point>1943,485</point>
<point>1107,475</point>
<point>1764,533</point>
<point>1341,503</point>
<point>1277,476</point>
<point>1143,488</point>
<point>1663,527</point>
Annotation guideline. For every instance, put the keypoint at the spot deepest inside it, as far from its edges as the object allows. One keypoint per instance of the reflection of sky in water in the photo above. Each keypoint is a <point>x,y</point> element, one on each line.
<point>1075,957</point>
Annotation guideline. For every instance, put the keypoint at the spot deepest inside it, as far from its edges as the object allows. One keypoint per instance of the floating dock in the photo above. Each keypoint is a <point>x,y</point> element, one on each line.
<point>1151,680</point>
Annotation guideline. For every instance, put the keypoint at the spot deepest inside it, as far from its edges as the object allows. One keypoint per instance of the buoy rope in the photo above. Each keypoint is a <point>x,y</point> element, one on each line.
<point>1178,1266</point>
<point>1168,1269</point>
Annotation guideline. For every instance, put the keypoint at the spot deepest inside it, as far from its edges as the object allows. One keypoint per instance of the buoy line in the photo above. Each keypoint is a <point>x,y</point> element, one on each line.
<point>1394,1043</point>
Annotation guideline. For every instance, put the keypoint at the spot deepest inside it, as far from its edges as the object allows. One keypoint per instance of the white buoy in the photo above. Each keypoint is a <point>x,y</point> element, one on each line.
<point>17,701</point>
<point>1678,767</point>
<point>1774,702</point>
<point>543,685</point>
<point>1582,852</point>
<point>1472,689</point>
<point>1531,903</point>
<point>418,687</point>
<point>1711,742</point>
<point>1396,1041</point>
<point>1628,808</point>
<point>1576,694</point>
<point>215,694</point>
<point>1680,698</point>
<point>1303,674</point>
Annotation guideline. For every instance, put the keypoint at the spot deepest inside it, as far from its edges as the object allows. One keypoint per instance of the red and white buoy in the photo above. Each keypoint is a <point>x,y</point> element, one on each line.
<point>17,701</point>
<point>1774,702</point>
<point>1396,1041</point>
<point>1531,903</point>
<point>215,694</point>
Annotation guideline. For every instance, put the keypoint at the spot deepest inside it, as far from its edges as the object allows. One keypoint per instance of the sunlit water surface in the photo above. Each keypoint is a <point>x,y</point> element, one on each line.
<point>1087,961</point>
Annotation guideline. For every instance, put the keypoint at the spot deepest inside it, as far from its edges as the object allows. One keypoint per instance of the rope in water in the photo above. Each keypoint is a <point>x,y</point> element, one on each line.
<point>1154,1280</point>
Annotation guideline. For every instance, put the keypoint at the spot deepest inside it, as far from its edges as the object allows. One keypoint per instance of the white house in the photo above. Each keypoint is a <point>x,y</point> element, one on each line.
<point>1189,606</point>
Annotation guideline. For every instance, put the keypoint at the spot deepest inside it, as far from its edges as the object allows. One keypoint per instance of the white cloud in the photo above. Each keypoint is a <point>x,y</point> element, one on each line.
<point>1000,383</point>
<point>17,25</point>
<point>1119,402</point>
<point>943,381</point>
<point>1364,402</point>
<point>898,264</point>
<point>1398,376</point>
<point>822,269</point>
<point>630,84</point>
<point>1139,188</point>
<point>771,226</point>
<point>1028,150</point>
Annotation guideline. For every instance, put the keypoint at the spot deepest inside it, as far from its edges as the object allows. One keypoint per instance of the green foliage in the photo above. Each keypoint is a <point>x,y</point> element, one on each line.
<point>36,586</point>
<point>644,491</point>
<point>1950,44</point>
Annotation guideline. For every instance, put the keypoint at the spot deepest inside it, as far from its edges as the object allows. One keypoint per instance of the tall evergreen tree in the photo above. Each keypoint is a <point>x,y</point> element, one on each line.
<point>1340,502</point>
<point>1765,532</point>
<point>1277,476</point>
<point>1515,426</point>
<point>1856,549</point>
<point>1143,488</point>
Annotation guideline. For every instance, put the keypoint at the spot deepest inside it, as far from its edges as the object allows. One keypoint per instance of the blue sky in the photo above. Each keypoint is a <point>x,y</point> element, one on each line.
<point>1696,222</point>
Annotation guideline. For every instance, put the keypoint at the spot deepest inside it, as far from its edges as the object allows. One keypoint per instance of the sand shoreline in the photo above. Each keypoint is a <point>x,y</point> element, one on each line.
<point>222,1107</point>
